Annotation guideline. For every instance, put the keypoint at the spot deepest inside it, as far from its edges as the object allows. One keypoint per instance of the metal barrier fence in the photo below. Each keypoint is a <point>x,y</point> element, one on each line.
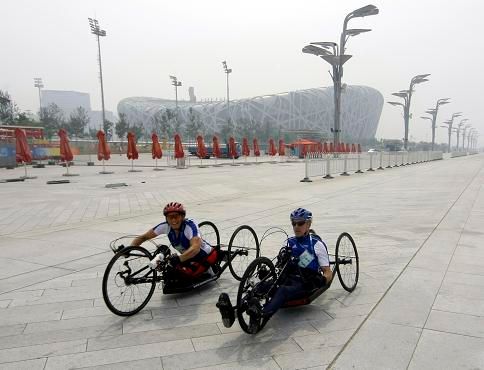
<point>328,164</point>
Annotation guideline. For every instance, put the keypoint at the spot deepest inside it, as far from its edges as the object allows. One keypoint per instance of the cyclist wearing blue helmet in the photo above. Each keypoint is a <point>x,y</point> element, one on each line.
<point>310,268</point>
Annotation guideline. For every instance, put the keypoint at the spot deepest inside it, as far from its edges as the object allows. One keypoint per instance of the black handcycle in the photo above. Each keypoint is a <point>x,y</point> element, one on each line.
<point>130,278</point>
<point>264,276</point>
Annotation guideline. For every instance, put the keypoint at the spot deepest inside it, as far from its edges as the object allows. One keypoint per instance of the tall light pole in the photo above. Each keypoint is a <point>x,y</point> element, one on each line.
<point>227,72</point>
<point>176,83</point>
<point>98,32</point>
<point>464,135</point>
<point>459,129</point>
<point>449,124</point>
<point>335,55</point>
<point>38,83</point>
<point>406,95</point>
<point>433,112</point>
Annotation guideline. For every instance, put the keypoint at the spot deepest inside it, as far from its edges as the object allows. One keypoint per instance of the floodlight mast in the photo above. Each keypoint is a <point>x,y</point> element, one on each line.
<point>227,72</point>
<point>98,32</point>
<point>334,55</point>
<point>176,83</point>
<point>39,84</point>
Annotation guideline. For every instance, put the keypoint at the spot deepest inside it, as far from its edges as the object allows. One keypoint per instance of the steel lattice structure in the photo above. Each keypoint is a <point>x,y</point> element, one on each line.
<point>311,109</point>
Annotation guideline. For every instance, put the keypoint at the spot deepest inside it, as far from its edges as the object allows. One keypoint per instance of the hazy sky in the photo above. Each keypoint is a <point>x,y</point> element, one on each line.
<point>147,40</point>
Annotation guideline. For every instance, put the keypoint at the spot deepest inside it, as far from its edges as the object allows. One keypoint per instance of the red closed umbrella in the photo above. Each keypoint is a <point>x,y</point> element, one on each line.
<point>232,149</point>
<point>331,147</point>
<point>215,147</point>
<point>353,148</point>
<point>325,147</point>
<point>103,151</point>
<point>272,148</point>
<point>132,152</point>
<point>156,152</point>
<point>282,147</point>
<point>359,148</point>
<point>22,150</point>
<point>256,147</point>
<point>64,148</point>
<point>201,150</point>
<point>347,148</point>
<point>245,147</point>
<point>179,153</point>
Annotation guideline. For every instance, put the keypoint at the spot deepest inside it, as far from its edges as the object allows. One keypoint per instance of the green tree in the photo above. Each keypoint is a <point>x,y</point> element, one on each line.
<point>122,126</point>
<point>78,121</point>
<point>137,130</point>
<point>178,124</point>
<point>194,125</point>
<point>52,118</point>
<point>108,129</point>
<point>227,130</point>
<point>8,109</point>
<point>166,128</point>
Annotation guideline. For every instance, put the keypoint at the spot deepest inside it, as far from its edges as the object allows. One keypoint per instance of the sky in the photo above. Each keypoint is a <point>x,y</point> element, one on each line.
<point>148,40</point>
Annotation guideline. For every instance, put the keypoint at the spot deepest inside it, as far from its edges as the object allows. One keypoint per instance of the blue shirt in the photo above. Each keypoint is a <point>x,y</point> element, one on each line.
<point>311,251</point>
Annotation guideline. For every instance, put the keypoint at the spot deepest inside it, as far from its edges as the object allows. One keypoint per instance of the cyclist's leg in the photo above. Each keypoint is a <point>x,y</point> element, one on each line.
<point>294,288</point>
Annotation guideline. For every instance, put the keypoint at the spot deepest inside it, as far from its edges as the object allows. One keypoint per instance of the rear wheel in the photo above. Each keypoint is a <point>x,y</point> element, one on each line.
<point>347,262</point>
<point>209,233</point>
<point>243,249</point>
<point>255,284</point>
<point>128,281</point>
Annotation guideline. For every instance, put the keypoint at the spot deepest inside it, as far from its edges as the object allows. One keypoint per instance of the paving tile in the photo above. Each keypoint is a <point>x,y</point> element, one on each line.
<point>265,363</point>
<point>145,364</point>
<point>228,355</point>
<point>459,304</point>
<point>171,322</point>
<point>154,336</point>
<point>301,360</point>
<point>331,339</point>
<point>379,345</point>
<point>8,330</point>
<point>42,350</point>
<point>456,323</point>
<point>437,350</point>
<point>119,355</point>
<point>36,364</point>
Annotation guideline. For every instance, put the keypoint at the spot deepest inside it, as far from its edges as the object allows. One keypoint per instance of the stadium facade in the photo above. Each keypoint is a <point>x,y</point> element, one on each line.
<point>301,110</point>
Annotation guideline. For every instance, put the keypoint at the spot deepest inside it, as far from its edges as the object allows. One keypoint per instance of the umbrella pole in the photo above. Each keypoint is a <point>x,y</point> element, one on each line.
<point>132,165</point>
<point>67,167</point>
<point>25,167</point>
<point>156,163</point>
<point>103,166</point>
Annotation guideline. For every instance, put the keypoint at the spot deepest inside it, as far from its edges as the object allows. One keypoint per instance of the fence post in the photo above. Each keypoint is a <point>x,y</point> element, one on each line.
<point>389,160</point>
<point>345,166</point>
<point>359,164</point>
<point>328,167</point>
<point>371,163</point>
<point>306,169</point>
<point>381,161</point>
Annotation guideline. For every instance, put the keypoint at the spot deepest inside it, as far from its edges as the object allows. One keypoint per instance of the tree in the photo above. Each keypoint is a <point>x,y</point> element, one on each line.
<point>166,128</point>
<point>178,124</point>
<point>121,127</point>
<point>8,109</point>
<point>78,121</point>
<point>137,130</point>
<point>227,130</point>
<point>194,126</point>
<point>108,129</point>
<point>52,118</point>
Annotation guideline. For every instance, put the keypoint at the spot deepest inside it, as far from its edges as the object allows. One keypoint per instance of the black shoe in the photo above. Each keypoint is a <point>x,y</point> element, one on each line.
<point>226,310</point>
<point>255,313</point>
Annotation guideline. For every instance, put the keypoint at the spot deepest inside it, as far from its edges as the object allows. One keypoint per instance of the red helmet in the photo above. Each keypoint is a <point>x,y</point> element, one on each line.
<point>174,207</point>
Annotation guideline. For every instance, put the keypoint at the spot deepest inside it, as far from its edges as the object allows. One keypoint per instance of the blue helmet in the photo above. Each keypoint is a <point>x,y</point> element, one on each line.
<point>301,214</point>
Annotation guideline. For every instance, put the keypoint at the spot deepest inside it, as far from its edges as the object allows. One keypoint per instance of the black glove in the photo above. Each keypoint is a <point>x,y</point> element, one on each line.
<point>283,256</point>
<point>174,260</point>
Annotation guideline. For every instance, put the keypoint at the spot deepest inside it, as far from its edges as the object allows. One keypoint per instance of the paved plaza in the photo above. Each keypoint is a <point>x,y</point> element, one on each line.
<point>419,303</point>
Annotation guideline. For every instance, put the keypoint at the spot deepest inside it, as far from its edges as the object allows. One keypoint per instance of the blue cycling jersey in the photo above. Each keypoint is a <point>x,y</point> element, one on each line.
<point>311,251</point>
<point>181,243</point>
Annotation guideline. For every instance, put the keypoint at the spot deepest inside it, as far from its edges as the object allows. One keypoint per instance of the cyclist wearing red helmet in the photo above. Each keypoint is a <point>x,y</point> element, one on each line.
<point>184,236</point>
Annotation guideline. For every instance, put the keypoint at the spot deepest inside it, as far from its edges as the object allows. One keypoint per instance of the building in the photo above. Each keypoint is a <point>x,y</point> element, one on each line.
<point>311,110</point>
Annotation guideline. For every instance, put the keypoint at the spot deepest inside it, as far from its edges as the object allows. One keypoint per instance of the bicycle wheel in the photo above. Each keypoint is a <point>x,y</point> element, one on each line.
<point>256,283</point>
<point>209,233</point>
<point>243,249</point>
<point>347,262</point>
<point>128,281</point>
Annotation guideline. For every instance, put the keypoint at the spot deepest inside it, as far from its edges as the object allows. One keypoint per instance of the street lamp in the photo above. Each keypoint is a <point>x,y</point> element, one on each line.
<point>176,83</point>
<point>433,112</point>
<point>459,129</point>
<point>335,55</point>
<point>98,32</point>
<point>38,83</point>
<point>406,95</point>
<point>227,72</point>
<point>449,124</point>
<point>464,135</point>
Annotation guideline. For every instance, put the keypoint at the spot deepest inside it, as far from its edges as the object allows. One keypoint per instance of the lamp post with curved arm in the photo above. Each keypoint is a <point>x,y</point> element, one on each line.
<point>433,112</point>
<point>406,95</point>
<point>459,129</point>
<point>335,55</point>
<point>466,127</point>
<point>449,124</point>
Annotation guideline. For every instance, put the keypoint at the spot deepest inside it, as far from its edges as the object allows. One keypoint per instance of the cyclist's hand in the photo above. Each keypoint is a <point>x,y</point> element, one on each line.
<point>174,260</point>
<point>283,255</point>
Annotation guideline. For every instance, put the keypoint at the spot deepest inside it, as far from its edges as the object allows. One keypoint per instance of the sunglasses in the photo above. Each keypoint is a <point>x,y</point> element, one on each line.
<point>298,223</point>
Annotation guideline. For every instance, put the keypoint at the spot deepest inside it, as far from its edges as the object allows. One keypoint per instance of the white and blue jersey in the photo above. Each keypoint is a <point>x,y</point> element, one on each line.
<point>311,251</point>
<point>181,243</point>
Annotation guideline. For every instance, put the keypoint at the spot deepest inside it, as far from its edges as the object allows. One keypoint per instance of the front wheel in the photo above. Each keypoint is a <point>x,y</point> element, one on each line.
<point>256,283</point>
<point>347,262</point>
<point>243,249</point>
<point>209,233</point>
<point>128,281</point>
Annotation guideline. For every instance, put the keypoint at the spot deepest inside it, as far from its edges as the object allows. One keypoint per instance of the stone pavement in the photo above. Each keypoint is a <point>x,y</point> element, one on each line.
<point>419,303</point>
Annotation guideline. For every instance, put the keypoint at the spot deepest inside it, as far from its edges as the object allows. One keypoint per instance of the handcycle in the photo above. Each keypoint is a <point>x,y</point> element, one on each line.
<point>129,279</point>
<point>264,276</point>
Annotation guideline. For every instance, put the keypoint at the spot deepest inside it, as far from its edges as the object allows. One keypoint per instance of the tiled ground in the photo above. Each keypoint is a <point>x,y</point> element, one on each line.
<point>419,302</point>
